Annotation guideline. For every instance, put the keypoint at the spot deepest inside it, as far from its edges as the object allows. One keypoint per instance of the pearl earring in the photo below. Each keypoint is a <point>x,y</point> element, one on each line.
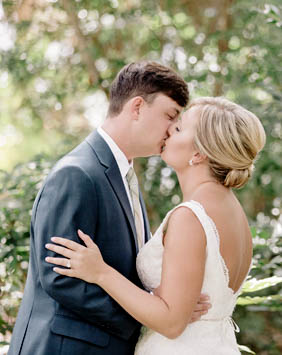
<point>191,162</point>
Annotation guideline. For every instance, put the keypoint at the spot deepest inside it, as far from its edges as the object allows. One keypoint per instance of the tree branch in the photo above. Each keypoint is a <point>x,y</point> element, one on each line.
<point>83,42</point>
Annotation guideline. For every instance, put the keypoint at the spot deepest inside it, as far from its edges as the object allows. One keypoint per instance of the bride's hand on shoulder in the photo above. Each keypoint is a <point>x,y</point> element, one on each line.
<point>82,262</point>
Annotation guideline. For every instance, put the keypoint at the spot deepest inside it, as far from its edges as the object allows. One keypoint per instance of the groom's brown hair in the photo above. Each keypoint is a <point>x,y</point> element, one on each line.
<point>146,79</point>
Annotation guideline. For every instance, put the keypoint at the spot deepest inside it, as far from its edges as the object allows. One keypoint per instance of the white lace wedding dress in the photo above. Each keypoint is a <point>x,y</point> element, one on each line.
<point>214,333</point>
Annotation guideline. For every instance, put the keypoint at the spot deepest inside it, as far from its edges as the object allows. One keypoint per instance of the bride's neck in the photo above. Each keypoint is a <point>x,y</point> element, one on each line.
<point>192,179</point>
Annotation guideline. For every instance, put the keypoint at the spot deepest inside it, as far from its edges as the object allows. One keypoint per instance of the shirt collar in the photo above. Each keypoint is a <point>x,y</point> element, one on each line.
<point>120,157</point>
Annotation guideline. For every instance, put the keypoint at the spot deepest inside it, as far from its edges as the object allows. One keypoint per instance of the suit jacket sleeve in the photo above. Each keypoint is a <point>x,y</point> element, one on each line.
<point>68,202</point>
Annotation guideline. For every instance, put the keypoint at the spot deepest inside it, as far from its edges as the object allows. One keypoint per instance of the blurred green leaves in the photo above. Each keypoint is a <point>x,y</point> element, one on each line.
<point>254,285</point>
<point>57,60</point>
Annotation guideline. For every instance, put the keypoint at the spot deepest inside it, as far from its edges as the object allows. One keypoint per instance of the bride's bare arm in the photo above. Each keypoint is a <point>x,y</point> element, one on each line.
<point>170,310</point>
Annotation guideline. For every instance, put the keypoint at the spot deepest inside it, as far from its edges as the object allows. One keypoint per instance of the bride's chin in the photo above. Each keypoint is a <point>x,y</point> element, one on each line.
<point>164,156</point>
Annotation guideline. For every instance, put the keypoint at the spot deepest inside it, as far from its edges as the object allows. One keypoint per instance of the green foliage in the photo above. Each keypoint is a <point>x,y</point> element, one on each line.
<point>55,74</point>
<point>259,306</point>
<point>254,285</point>
<point>17,194</point>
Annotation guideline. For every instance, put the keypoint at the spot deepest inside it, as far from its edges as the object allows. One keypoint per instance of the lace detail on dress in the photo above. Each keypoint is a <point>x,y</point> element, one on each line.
<point>224,267</point>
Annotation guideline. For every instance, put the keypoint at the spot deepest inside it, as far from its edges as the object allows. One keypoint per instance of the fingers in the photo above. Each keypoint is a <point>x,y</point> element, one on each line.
<point>200,310</point>
<point>65,272</point>
<point>57,261</point>
<point>62,262</point>
<point>60,250</point>
<point>197,316</point>
<point>70,244</point>
<point>87,240</point>
<point>204,298</point>
<point>194,319</point>
<point>201,307</point>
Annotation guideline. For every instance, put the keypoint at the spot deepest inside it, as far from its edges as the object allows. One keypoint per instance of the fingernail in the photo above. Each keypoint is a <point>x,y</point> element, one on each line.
<point>53,239</point>
<point>47,258</point>
<point>47,245</point>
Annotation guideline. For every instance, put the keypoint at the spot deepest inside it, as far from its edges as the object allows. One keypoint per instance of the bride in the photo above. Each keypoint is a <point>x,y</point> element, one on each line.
<point>203,245</point>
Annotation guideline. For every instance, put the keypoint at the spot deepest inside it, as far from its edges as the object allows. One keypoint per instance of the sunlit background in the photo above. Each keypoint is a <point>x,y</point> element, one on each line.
<point>57,61</point>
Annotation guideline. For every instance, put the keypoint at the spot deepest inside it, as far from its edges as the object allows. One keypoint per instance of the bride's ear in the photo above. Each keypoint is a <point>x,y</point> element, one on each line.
<point>199,158</point>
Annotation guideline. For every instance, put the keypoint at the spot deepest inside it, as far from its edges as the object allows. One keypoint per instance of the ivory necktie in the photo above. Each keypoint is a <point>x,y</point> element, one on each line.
<point>134,192</point>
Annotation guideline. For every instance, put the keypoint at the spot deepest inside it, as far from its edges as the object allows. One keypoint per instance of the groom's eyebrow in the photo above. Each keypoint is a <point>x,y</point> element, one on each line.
<point>176,112</point>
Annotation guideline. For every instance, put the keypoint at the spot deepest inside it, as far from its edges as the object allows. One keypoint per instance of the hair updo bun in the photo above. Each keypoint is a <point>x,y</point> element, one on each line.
<point>230,136</point>
<point>237,178</point>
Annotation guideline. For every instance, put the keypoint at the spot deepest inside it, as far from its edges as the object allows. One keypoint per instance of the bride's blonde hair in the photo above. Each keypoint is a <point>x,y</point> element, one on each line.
<point>230,136</point>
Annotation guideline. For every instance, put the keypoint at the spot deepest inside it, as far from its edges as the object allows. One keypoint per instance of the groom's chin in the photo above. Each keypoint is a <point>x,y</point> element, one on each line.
<point>154,152</point>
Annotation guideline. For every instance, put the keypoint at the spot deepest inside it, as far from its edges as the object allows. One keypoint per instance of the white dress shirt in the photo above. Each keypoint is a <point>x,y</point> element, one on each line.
<point>123,165</point>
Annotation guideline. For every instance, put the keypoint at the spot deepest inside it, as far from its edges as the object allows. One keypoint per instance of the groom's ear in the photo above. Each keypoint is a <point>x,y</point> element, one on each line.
<point>135,105</point>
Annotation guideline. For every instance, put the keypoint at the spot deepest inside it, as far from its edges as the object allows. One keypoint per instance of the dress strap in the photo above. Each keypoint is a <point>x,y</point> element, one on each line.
<point>202,216</point>
<point>197,209</point>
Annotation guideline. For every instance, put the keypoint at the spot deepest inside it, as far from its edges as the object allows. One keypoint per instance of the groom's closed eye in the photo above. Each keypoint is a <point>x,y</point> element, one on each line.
<point>173,118</point>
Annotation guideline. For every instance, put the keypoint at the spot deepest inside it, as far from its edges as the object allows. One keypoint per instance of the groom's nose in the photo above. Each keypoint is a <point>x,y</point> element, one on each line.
<point>170,129</point>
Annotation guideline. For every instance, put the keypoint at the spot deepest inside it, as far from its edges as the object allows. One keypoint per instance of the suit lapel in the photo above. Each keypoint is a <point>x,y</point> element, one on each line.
<point>113,175</point>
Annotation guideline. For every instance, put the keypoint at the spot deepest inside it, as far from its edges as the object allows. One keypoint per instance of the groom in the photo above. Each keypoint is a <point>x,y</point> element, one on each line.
<point>89,189</point>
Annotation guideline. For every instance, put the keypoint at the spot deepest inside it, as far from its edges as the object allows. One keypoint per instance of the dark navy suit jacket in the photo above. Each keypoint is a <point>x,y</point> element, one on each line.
<point>62,315</point>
